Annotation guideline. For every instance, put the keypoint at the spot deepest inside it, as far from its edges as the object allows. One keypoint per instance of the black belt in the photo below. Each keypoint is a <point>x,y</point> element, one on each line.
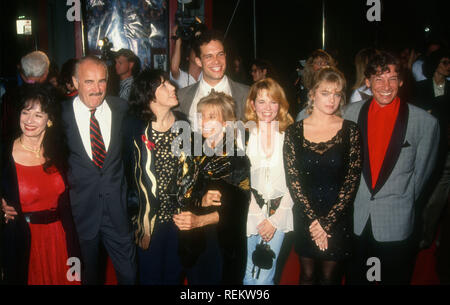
<point>42,217</point>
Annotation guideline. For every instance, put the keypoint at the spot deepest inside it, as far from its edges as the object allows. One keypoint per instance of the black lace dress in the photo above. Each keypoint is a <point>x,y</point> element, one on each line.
<point>323,179</point>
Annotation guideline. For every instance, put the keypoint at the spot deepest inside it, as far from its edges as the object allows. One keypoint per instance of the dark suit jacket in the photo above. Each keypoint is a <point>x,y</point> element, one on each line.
<point>439,107</point>
<point>16,236</point>
<point>424,94</point>
<point>239,93</point>
<point>92,189</point>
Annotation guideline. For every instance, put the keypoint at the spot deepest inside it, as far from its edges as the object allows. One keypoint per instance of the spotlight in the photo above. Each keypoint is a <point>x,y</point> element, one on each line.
<point>427,29</point>
<point>103,42</point>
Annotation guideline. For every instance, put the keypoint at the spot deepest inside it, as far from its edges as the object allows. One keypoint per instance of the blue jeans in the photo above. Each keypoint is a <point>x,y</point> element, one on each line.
<point>265,275</point>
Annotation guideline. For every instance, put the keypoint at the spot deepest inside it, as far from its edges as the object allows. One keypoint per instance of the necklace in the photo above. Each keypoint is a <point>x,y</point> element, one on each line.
<point>35,151</point>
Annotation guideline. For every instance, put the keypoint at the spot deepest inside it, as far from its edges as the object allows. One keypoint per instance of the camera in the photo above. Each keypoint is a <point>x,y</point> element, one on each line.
<point>188,30</point>
<point>106,53</point>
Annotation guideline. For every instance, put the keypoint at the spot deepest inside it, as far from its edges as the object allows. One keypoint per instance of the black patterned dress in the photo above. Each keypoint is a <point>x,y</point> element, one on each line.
<point>215,254</point>
<point>323,179</point>
<point>166,167</point>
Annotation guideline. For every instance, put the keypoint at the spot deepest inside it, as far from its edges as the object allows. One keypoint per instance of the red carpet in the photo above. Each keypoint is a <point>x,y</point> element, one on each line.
<point>424,272</point>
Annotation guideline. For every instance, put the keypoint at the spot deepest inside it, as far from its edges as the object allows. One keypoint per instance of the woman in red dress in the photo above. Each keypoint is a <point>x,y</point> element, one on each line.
<point>39,235</point>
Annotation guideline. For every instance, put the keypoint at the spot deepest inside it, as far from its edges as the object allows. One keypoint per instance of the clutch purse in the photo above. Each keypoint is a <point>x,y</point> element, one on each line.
<point>262,257</point>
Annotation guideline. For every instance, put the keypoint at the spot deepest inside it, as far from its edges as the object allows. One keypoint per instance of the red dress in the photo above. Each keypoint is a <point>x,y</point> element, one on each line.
<point>39,191</point>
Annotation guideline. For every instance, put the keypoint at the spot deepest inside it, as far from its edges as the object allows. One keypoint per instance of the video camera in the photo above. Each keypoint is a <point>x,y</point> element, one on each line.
<point>187,31</point>
<point>106,53</point>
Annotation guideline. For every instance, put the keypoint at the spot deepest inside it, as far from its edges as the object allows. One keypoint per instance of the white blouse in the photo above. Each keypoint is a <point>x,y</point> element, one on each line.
<point>268,178</point>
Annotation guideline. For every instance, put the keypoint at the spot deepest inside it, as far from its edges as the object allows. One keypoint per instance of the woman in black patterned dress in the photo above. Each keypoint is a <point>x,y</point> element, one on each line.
<point>323,167</point>
<point>150,169</point>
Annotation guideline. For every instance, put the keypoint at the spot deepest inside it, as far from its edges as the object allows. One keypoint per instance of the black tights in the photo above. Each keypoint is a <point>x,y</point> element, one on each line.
<point>314,271</point>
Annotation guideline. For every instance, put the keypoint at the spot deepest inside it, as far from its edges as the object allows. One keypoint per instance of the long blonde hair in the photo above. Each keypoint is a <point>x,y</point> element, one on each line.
<point>276,92</point>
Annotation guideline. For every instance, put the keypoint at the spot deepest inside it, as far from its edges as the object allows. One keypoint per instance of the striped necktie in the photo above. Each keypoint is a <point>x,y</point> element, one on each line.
<point>97,144</point>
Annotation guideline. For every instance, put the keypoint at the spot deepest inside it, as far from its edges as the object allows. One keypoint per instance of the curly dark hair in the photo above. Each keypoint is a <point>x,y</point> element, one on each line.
<point>143,92</point>
<point>55,150</point>
<point>433,60</point>
<point>379,63</point>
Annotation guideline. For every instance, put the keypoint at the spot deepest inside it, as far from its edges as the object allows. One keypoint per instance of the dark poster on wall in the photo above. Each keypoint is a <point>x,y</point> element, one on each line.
<point>138,25</point>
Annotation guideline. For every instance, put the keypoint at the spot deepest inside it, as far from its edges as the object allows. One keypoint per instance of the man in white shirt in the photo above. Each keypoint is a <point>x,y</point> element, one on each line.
<point>211,57</point>
<point>96,176</point>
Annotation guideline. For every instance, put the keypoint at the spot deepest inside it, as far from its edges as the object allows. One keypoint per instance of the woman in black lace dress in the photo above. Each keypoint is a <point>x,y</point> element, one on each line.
<point>323,168</point>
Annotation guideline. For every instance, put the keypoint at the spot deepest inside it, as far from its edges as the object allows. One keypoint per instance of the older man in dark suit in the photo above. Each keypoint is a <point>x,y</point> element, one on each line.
<point>96,176</point>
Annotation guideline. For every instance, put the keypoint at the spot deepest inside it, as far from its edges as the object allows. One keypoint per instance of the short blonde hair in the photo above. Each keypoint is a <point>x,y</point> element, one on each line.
<point>329,75</point>
<point>221,101</point>
<point>276,92</point>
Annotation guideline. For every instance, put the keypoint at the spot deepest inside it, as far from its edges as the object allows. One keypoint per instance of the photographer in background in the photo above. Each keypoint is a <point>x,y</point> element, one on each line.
<point>194,72</point>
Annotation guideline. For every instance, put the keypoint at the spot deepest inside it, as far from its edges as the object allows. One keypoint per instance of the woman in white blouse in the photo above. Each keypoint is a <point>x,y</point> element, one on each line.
<point>270,212</point>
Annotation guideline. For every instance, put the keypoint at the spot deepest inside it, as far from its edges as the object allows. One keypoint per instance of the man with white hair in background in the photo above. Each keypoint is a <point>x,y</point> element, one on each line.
<point>33,69</point>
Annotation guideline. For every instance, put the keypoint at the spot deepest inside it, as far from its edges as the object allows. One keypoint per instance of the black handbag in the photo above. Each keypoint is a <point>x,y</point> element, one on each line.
<point>262,257</point>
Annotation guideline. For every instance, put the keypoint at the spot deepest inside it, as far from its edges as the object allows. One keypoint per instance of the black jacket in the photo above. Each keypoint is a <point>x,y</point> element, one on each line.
<point>139,168</point>
<point>229,174</point>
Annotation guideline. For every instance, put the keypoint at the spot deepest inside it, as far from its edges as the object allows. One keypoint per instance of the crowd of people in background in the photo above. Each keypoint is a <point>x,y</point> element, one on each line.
<point>349,179</point>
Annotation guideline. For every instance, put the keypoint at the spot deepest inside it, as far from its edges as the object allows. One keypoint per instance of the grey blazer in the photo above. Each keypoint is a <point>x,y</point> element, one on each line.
<point>409,161</point>
<point>92,189</point>
<point>239,93</point>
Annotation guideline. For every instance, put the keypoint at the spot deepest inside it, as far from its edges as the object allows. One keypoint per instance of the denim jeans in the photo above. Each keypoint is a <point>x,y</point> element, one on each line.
<point>266,275</point>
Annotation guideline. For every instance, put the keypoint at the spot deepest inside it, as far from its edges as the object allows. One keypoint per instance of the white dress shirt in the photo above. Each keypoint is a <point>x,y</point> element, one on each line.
<point>203,90</point>
<point>83,117</point>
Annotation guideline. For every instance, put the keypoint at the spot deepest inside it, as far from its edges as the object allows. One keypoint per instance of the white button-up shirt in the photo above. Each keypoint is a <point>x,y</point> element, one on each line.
<point>83,117</point>
<point>203,90</point>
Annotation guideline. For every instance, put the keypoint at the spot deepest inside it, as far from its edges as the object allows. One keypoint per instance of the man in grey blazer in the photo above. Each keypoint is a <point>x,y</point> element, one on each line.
<point>211,57</point>
<point>96,176</point>
<point>399,146</point>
